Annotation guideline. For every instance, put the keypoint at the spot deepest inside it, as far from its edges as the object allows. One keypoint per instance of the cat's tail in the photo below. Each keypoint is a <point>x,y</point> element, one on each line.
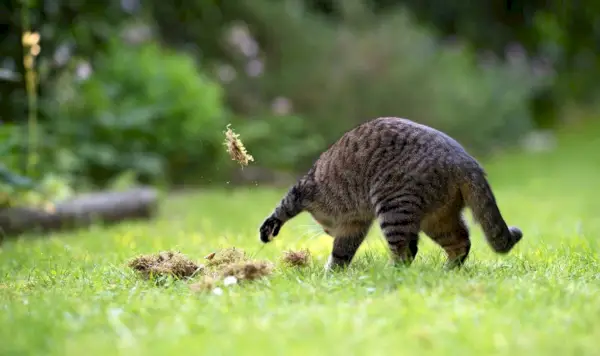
<point>479,197</point>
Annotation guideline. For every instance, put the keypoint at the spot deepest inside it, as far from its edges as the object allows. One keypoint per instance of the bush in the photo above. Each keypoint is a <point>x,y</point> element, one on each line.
<point>281,143</point>
<point>17,189</point>
<point>339,75</point>
<point>143,109</point>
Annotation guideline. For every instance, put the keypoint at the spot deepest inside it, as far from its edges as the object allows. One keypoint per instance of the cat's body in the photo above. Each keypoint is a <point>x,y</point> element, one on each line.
<point>408,177</point>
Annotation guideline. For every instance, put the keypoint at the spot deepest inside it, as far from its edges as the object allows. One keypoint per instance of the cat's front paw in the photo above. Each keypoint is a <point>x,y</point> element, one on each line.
<point>269,229</point>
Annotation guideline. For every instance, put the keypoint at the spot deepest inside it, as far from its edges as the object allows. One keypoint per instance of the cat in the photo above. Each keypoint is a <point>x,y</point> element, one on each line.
<point>407,176</point>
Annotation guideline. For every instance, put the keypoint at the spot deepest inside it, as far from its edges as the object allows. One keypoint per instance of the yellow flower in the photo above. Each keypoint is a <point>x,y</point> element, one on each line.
<point>30,38</point>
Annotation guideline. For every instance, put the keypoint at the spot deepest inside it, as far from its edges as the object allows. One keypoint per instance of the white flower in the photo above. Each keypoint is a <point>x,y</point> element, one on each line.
<point>226,73</point>
<point>254,68</point>
<point>83,71</point>
<point>281,106</point>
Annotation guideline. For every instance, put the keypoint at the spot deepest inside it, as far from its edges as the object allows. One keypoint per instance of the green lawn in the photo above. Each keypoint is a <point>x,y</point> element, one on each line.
<point>72,294</point>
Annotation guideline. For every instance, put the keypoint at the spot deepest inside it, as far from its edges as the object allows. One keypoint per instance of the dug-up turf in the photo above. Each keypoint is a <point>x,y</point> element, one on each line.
<point>225,257</point>
<point>299,258</point>
<point>248,270</point>
<point>165,263</point>
<point>230,262</point>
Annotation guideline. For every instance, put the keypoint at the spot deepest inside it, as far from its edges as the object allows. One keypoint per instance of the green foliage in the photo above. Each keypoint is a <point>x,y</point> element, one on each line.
<point>13,179</point>
<point>152,113</point>
<point>280,142</point>
<point>12,147</point>
<point>484,106</point>
<point>35,194</point>
<point>339,75</point>
<point>561,32</point>
<point>17,189</point>
<point>143,109</point>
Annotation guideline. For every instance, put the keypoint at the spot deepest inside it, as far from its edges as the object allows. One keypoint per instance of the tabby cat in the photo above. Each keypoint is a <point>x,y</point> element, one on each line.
<point>408,176</point>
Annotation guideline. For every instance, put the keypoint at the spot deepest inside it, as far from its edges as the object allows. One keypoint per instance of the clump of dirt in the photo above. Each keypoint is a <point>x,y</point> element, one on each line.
<point>236,148</point>
<point>299,258</point>
<point>220,266</point>
<point>247,270</point>
<point>225,257</point>
<point>164,263</point>
<point>238,271</point>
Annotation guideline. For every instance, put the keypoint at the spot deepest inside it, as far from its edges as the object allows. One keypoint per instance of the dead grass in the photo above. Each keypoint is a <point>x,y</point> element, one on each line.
<point>299,258</point>
<point>164,263</point>
<point>225,257</point>
<point>229,262</point>
<point>236,148</point>
<point>248,270</point>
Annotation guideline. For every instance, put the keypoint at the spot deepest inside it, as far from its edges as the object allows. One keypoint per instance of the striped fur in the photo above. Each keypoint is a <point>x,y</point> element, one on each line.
<point>408,177</point>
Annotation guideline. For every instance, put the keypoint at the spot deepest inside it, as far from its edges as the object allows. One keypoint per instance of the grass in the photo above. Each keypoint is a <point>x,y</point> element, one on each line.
<point>72,294</point>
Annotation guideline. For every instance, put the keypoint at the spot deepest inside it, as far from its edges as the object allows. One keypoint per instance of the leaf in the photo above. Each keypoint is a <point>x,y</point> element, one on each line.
<point>14,179</point>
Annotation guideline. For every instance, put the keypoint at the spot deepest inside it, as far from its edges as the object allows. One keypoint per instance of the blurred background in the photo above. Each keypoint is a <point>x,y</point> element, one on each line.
<point>93,93</point>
